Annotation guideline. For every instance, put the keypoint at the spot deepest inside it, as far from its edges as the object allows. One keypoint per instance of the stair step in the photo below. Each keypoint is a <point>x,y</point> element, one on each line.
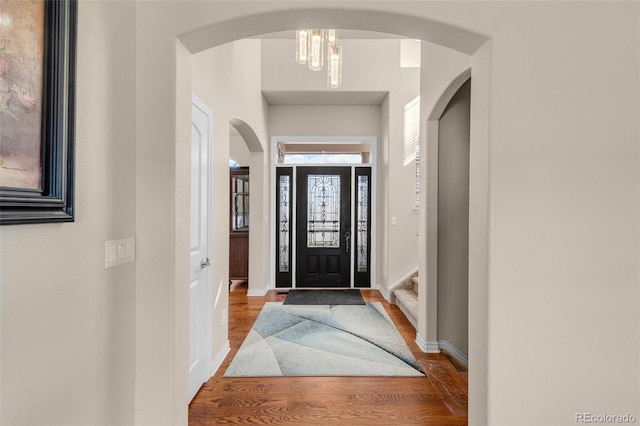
<point>416,282</point>
<point>407,301</point>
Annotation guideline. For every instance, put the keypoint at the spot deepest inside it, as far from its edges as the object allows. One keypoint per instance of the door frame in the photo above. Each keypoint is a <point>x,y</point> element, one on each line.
<point>207,313</point>
<point>373,142</point>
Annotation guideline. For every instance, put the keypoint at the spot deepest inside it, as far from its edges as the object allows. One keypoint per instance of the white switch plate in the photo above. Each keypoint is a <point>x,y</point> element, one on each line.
<point>394,220</point>
<point>118,252</point>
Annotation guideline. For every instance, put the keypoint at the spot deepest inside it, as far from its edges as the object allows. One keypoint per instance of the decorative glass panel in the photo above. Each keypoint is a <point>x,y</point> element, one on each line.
<point>363,219</point>
<point>239,202</point>
<point>323,221</point>
<point>284,225</point>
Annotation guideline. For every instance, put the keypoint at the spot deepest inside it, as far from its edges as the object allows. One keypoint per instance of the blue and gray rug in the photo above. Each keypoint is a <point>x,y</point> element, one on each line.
<point>323,340</point>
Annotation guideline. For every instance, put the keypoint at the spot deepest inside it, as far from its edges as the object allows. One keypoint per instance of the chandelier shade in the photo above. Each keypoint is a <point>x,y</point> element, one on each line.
<point>302,53</point>
<point>334,64</point>
<point>310,51</point>
<point>316,49</point>
<point>331,36</point>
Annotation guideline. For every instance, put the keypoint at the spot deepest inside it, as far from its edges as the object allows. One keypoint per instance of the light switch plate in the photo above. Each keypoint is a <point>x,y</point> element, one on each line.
<point>118,252</point>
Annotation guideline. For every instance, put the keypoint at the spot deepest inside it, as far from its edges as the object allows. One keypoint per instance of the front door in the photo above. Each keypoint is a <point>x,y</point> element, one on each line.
<point>323,227</point>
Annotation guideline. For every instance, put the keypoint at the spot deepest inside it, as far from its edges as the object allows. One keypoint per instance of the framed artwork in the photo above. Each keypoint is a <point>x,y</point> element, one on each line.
<point>37,110</point>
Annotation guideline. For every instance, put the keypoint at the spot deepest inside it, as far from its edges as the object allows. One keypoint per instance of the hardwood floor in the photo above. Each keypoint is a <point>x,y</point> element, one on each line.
<point>440,398</point>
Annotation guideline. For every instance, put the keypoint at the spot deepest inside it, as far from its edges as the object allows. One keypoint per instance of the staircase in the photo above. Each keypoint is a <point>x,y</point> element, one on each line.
<point>405,296</point>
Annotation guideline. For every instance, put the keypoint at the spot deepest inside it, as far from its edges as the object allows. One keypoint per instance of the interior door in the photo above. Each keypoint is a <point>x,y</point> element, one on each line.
<point>199,315</point>
<point>323,227</point>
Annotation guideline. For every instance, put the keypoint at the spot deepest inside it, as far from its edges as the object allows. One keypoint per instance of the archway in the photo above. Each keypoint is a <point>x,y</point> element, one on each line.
<point>363,19</point>
<point>257,235</point>
<point>429,212</point>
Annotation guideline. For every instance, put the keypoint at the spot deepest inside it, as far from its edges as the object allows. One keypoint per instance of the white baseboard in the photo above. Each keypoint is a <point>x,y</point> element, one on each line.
<point>385,293</point>
<point>215,364</point>
<point>444,345</point>
<point>427,347</point>
<point>257,292</point>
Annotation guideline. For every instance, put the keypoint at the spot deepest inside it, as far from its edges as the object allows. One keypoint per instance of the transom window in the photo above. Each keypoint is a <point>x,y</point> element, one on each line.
<point>333,152</point>
<point>323,158</point>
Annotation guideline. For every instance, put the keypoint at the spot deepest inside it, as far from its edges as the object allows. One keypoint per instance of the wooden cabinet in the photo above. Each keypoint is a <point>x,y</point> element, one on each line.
<point>239,223</point>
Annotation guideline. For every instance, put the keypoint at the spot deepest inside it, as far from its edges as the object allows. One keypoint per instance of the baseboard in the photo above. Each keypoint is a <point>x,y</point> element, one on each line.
<point>385,293</point>
<point>257,292</point>
<point>427,347</point>
<point>446,346</point>
<point>215,364</point>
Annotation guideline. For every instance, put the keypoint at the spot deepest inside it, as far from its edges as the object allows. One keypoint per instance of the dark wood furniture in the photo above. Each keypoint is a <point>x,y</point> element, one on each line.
<point>239,223</point>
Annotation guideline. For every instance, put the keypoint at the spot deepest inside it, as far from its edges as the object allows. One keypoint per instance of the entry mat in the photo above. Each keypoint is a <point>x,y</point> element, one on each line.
<point>350,296</point>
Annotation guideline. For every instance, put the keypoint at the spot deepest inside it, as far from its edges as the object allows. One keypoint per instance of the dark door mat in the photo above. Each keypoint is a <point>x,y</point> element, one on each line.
<point>324,297</point>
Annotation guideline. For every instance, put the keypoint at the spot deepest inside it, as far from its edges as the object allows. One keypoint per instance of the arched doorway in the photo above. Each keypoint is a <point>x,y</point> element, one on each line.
<point>238,26</point>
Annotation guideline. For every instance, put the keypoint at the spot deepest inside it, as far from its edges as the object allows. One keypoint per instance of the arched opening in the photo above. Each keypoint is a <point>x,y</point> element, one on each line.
<point>239,227</point>
<point>430,146</point>
<point>245,146</point>
<point>453,226</point>
<point>419,28</point>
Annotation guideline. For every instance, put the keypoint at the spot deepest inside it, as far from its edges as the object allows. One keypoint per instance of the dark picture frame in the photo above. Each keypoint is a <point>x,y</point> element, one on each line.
<point>54,201</point>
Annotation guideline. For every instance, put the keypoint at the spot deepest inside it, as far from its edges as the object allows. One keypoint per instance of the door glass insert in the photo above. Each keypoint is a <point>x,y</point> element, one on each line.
<point>362,221</point>
<point>323,217</point>
<point>240,202</point>
<point>283,250</point>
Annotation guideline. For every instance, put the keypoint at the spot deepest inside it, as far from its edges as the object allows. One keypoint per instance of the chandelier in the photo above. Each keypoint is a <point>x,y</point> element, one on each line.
<point>310,50</point>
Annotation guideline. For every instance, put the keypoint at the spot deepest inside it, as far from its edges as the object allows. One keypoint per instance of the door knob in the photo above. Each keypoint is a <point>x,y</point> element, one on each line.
<point>204,263</point>
<point>347,236</point>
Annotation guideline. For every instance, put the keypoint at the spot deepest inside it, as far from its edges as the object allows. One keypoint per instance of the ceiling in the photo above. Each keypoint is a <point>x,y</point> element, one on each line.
<point>327,97</point>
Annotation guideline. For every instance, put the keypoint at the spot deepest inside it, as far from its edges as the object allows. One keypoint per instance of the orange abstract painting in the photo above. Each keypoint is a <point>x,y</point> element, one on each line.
<point>22,38</point>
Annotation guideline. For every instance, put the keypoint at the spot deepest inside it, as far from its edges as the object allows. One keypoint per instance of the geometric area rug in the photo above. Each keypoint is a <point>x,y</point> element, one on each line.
<point>323,340</point>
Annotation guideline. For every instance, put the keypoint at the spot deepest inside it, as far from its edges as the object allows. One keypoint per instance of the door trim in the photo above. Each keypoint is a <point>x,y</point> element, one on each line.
<point>373,141</point>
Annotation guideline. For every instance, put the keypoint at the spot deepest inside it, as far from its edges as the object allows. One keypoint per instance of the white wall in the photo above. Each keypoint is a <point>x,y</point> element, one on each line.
<point>382,269</point>
<point>564,194</point>
<point>453,221</point>
<point>67,332</point>
<point>227,79</point>
<point>324,120</point>
<point>446,71</point>
<point>238,150</point>
<point>402,243</point>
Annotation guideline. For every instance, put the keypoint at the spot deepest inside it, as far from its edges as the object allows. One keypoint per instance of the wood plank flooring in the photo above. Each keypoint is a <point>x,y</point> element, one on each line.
<point>438,399</point>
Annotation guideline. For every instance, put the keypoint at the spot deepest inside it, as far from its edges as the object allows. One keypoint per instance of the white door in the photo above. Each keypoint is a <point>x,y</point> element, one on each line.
<point>199,294</point>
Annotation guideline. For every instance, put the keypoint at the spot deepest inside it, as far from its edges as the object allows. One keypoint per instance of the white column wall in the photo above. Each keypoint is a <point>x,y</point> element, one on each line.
<point>442,66</point>
<point>227,79</point>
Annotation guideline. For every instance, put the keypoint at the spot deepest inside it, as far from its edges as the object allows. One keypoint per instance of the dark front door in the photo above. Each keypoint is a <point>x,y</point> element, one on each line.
<point>323,227</point>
